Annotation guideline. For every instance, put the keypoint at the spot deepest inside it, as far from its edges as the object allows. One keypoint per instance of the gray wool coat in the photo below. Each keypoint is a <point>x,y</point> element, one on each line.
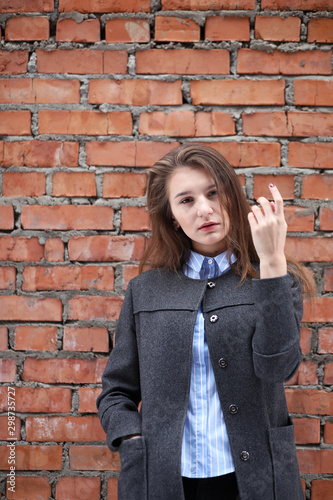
<point>252,331</point>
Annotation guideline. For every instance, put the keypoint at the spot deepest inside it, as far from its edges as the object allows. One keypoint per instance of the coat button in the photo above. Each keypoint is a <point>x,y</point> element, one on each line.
<point>213,318</point>
<point>211,284</point>
<point>245,455</point>
<point>233,409</point>
<point>223,363</point>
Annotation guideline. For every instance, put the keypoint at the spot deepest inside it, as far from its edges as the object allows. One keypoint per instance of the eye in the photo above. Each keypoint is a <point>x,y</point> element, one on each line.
<point>213,192</point>
<point>186,200</point>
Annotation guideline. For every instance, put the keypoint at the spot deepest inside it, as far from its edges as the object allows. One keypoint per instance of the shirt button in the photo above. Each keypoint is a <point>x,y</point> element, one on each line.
<point>213,318</point>
<point>211,284</point>
<point>245,455</point>
<point>233,409</point>
<point>223,363</point>
<point>210,261</point>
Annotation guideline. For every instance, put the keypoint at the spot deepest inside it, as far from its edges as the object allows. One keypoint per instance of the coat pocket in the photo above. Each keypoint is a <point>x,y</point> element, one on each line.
<point>132,483</point>
<point>287,483</point>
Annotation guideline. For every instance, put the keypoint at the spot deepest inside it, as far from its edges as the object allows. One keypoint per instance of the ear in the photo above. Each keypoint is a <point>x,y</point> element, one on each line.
<point>175,224</point>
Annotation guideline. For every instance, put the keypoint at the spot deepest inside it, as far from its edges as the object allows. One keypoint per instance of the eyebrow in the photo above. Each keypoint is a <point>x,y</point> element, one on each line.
<point>186,193</point>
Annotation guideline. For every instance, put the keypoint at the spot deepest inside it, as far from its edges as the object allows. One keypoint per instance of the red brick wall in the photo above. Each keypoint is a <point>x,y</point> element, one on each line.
<point>92,92</point>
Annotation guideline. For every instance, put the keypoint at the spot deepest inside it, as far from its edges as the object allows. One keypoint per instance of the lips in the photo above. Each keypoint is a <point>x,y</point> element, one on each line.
<point>206,226</point>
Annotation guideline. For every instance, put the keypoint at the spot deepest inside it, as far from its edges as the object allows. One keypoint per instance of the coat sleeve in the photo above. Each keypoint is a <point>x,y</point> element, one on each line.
<point>118,402</point>
<point>276,341</point>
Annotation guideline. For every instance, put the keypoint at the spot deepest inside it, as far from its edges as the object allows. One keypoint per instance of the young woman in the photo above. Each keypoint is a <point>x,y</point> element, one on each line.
<point>204,341</point>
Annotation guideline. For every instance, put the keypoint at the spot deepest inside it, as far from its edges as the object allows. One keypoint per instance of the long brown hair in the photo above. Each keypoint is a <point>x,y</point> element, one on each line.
<point>169,247</point>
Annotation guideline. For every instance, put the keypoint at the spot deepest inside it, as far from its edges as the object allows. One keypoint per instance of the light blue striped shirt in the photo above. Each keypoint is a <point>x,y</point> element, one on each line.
<point>205,446</point>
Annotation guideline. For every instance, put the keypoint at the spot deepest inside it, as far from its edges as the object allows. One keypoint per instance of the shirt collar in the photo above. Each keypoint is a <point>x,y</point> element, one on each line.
<point>196,260</point>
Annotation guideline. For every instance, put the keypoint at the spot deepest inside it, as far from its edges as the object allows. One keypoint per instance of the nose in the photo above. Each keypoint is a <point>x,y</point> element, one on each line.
<point>204,208</point>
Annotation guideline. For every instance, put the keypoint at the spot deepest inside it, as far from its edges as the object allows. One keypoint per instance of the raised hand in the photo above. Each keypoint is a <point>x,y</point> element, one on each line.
<point>269,229</point>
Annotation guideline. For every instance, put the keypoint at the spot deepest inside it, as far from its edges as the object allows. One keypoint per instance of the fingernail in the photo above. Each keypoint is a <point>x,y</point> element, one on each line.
<point>271,185</point>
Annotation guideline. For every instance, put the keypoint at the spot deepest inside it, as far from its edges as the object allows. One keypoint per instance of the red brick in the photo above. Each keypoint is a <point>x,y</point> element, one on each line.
<point>134,219</point>
<point>34,488</point>
<point>87,399</point>
<point>326,218</point>
<point>36,338</point>
<point>311,62</point>
<point>74,184</point>
<point>227,28</point>
<point>292,123</point>
<point>328,378</point>
<point>88,6</point>
<point>27,28</point>
<point>85,339</point>
<point>313,461</point>
<point>14,62</point>
<point>306,340</point>
<point>42,154</point>
<point>285,184</point>
<point>310,249</point>
<point>278,29</point>
<point>317,187</point>
<point>135,92</point>
<point>328,432</point>
<point>23,184</point>
<point>328,276</point>
<point>65,217</point>
<point>39,91</point>
<point>207,4</point>
<point>101,248</point>
<point>85,122</point>
<point>297,4</point>
<point>325,340</point>
<point>112,488</point>
<point>176,29</point>
<point>3,338</point>
<point>318,309</point>
<point>237,92</point>
<point>54,250</point>
<point>88,31</point>
<point>311,155</point>
<point>127,30</point>
<point>307,373</point>
<point>83,308</point>
<point>214,123</point>
<point>175,123</point>
<point>7,369</point>
<point>15,122</point>
<point>183,62</point>
<point>26,6</point>
<point>309,401</point>
<point>124,185</point>
<point>24,308</point>
<point>249,154</point>
<point>130,271</point>
<point>307,430</point>
<point>321,489</point>
<point>33,457</point>
<point>299,218</point>
<point>60,429</point>
<point>7,432</point>
<point>74,487</point>
<point>81,61</point>
<point>20,248</point>
<point>7,217</point>
<point>39,399</point>
<point>115,61</point>
<point>64,371</point>
<point>93,458</point>
<point>313,92</point>
<point>68,278</point>
<point>127,153</point>
<point>320,30</point>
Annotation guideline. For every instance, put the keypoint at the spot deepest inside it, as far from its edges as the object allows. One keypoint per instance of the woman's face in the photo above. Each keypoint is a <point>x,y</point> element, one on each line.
<point>195,205</point>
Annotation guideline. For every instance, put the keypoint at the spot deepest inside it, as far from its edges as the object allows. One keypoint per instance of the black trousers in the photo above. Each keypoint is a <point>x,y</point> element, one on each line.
<point>211,488</point>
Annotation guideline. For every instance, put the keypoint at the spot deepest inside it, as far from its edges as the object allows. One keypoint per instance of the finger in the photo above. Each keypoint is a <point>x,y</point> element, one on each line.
<point>252,220</point>
<point>267,206</point>
<point>257,213</point>
<point>278,200</point>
